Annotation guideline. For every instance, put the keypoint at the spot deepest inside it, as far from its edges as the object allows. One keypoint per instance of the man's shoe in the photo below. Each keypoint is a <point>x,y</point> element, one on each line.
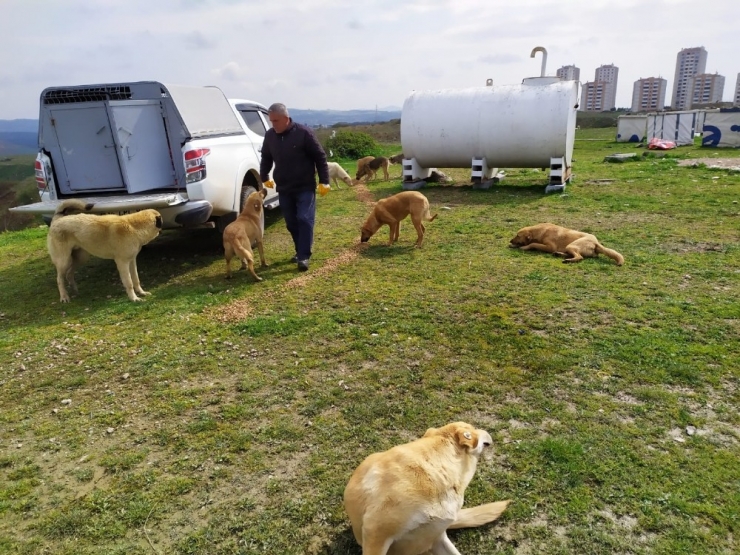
<point>294,259</point>
<point>303,265</point>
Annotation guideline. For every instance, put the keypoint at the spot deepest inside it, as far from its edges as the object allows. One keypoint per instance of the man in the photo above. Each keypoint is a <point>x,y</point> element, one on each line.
<point>297,155</point>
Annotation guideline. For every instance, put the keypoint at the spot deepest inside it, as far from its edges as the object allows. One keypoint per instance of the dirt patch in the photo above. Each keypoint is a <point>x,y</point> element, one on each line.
<point>239,309</point>
<point>700,246</point>
<point>721,163</point>
<point>364,194</point>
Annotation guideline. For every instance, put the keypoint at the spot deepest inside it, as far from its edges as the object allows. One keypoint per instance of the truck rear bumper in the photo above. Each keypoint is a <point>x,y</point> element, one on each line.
<point>176,209</point>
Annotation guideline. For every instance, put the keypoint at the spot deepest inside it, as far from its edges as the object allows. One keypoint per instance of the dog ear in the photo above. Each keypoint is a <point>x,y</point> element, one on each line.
<point>263,192</point>
<point>158,221</point>
<point>468,439</point>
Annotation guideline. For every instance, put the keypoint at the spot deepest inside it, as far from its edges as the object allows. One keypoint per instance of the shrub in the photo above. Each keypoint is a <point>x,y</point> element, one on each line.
<point>351,144</point>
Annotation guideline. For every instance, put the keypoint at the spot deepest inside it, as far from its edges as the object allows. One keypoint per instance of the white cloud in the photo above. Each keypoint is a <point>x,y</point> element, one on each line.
<point>336,54</point>
<point>230,72</point>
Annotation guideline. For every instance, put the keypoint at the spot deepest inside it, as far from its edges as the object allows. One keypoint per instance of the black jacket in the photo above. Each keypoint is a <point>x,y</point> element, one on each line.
<point>297,155</point>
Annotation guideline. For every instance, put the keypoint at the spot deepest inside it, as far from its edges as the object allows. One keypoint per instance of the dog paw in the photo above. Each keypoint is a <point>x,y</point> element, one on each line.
<point>142,292</point>
<point>64,300</point>
<point>264,265</point>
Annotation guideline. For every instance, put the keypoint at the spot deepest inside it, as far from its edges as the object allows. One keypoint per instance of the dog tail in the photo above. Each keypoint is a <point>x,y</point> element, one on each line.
<point>614,255</point>
<point>71,206</point>
<point>480,515</point>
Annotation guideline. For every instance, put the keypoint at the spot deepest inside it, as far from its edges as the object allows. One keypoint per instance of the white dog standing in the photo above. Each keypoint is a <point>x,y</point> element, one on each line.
<point>337,172</point>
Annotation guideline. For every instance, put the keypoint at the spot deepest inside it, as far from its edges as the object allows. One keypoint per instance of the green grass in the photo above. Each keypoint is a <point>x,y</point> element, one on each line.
<point>191,431</point>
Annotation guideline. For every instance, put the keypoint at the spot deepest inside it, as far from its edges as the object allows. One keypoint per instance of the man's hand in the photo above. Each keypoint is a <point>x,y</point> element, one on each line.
<point>270,184</point>
<point>324,188</point>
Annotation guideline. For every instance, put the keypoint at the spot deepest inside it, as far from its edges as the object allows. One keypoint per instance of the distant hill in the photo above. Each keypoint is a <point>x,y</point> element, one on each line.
<point>327,118</point>
<point>21,125</point>
<point>313,118</point>
<point>13,143</point>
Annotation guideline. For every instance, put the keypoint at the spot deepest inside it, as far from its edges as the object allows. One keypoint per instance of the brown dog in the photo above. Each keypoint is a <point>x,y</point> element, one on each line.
<point>561,241</point>
<point>396,158</point>
<point>362,162</point>
<point>370,168</point>
<point>73,234</point>
<point>392,210</point>
<point>245,231</point>
<point>403,501</point>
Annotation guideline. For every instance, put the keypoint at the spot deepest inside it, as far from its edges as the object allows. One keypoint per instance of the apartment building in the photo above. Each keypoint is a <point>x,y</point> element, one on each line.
<point>736,96</point>
<point>648,95</point>
<point>600,95</point>
<point>569,73</point>
<point>689,63</point>
<point>706,88</point>
<point>593,96</point>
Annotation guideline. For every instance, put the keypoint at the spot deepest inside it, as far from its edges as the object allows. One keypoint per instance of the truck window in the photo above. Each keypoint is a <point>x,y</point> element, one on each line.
<point>254,122</point>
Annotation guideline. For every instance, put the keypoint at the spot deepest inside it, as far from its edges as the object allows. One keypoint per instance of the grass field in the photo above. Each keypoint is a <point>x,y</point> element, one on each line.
<point>225,417</point>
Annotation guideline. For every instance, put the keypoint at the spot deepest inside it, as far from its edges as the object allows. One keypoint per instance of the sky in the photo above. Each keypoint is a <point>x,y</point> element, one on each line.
<point>351,54</point>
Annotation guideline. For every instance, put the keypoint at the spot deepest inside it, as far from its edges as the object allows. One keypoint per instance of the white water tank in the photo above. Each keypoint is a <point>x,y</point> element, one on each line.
<point>511,126</point>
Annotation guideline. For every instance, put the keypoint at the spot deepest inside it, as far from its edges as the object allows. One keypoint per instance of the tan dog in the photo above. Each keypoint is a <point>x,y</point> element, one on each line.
<point>362,162</point>
<point>337,172</point>
<point>574,245</point>
<point>74,235</point>
<point>403,501</point>
<point>245,231</point>
<point>370,168</point>
<point>392,210</point>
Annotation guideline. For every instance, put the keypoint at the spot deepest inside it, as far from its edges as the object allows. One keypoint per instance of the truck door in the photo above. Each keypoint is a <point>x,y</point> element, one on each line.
<point>144,148</point>
<point>256,127</point>
<point>86,146</point>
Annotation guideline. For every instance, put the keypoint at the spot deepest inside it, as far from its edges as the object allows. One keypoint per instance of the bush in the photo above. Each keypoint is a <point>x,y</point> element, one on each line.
<point>351,144</point>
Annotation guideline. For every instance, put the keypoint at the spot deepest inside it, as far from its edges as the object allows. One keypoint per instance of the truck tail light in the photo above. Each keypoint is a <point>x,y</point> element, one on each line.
<point>195,164</point>
<point>40,175</point>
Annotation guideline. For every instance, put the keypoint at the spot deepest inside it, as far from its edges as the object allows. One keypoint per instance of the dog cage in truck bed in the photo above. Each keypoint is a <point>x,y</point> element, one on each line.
<point>127,138</point>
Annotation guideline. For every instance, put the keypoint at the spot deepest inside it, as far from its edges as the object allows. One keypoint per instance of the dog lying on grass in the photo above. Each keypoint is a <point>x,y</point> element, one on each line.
<point>403,501</point>
<point>74,234</point>
<point>392,210</point>
<point>561,241</point>
<point>245,231</point>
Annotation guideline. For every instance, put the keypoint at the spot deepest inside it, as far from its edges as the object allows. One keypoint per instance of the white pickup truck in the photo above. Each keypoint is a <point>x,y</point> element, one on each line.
<point>188,152</point>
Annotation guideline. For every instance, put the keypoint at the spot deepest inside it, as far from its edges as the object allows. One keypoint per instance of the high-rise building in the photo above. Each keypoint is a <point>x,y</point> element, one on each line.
<point>648,95</point>
<point>569,73</point>
<point>706,88</point>
<point>608,74</point>
<point>600,94</point>
<point>689,62</point>
<point>736,98</point>
<point>593,95</point>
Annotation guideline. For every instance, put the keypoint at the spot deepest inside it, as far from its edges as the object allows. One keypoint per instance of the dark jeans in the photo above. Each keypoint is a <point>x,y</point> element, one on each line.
<point>299,211</point>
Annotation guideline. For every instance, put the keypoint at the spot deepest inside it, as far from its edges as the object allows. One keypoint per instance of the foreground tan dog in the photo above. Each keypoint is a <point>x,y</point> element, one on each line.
<point>337,172</point>
<point>370,168</point>
<point>403,501</point>
<point>392,210</point>
<point>245,231</point>
<point>74,235</point>
<point>574,245</point>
